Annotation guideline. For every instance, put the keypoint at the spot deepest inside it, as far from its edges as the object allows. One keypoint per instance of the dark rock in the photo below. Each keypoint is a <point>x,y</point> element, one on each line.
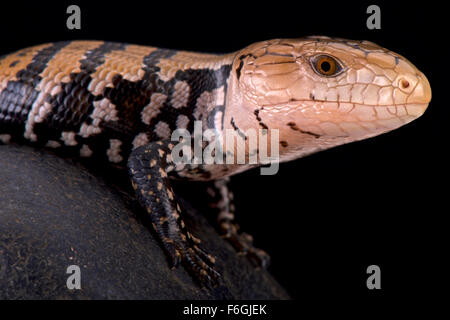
<point>55,213</point>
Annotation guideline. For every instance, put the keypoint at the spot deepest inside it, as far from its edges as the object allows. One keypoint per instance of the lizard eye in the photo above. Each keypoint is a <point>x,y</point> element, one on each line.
<point>326,65</point>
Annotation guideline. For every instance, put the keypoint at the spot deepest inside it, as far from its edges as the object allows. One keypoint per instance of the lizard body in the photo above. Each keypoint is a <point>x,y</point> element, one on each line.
<point>121,103</point>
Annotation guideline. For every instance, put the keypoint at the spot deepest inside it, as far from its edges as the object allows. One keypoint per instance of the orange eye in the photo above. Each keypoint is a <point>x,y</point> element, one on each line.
<point>326,65</point>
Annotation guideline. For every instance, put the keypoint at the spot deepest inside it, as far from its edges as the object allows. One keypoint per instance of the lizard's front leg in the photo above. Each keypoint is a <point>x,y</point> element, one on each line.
<point>148,166</point>
<point>222,201</point>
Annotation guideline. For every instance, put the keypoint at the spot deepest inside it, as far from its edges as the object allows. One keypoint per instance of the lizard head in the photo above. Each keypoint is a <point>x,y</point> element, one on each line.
<point>321,92</point>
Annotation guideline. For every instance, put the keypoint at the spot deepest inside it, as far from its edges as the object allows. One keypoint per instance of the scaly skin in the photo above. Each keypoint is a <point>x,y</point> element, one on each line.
<point>278,88</point>
<point>120,103</point>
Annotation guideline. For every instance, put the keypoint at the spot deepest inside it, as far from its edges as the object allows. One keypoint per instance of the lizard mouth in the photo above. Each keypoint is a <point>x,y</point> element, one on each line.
<point>416,109</point>
<point>379,119</point>
<point>338,119</point>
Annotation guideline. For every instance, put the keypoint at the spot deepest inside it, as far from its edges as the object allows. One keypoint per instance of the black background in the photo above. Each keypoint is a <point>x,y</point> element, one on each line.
<point>325,218</point>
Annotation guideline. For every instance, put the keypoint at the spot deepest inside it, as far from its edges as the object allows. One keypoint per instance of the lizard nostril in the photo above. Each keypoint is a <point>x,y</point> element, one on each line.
<point>404,84</point>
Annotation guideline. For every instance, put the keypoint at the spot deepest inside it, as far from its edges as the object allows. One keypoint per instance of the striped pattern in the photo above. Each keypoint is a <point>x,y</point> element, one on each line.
<point>78,95</point>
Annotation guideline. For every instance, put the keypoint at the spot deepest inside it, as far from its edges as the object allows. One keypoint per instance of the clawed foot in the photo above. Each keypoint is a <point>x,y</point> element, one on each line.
<point>147,167</point>
<point>198,263</point>
<point>243,244</point>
